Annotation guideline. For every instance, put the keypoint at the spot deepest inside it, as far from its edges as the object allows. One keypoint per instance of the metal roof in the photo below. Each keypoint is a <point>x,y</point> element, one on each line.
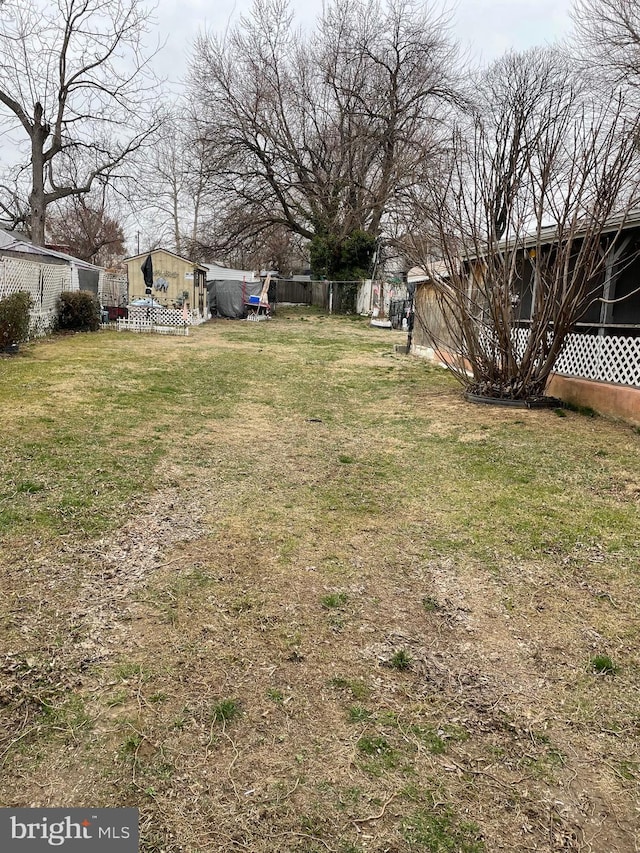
<point>167,252</point>
<point>10,243</point>
<point>549,234</point>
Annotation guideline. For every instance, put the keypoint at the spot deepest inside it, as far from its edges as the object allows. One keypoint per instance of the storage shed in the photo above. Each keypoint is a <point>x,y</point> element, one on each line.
<point>177,281</point>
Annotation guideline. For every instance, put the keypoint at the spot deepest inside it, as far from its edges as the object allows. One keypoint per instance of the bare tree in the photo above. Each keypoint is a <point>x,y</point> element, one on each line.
<point>275,249</point>
<point>83,226</point>
<point>318,134</point>
<point>539,187</point>
<point>172,180</point>
<point>75,78</point>
<point>14,206</point>
<point>607,38</point>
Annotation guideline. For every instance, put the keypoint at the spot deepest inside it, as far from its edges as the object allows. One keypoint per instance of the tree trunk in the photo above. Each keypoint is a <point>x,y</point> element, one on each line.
<point>37,199</point>
<point>176,220</point>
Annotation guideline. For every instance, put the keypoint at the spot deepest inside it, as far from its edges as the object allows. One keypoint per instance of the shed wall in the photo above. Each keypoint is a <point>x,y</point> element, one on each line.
<point>172,276</point>
<point>430,329</point>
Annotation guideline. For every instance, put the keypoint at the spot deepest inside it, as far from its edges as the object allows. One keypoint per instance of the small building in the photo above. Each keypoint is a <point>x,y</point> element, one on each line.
<point>217,272</point>
<point>177,281</point>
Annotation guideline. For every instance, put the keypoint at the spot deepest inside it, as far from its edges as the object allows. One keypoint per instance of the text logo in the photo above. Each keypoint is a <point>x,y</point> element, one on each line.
<point>33,830</point>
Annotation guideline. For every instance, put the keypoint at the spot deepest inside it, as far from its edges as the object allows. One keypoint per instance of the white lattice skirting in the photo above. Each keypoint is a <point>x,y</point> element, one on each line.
<point>603,358</point>
<point>43,282</point>
<point>165,316</point>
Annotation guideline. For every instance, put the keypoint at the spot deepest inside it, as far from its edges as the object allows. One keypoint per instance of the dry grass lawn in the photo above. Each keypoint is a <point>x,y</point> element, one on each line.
<point>284,590</point>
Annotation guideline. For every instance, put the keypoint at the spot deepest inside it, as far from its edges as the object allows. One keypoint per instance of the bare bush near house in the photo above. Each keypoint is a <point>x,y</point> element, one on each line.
<point>73,74</point>
<point>538,163</point>
<point>317,134</point>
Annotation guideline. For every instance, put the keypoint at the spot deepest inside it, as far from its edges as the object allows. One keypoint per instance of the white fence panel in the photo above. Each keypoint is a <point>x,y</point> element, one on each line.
<point>113,289</point>
<point>363,304</point>
<point>165,316</point>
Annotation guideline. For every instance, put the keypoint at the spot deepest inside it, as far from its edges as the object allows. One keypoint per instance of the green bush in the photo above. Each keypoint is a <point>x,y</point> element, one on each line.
<point>79,311</point>
<point>14,318</point>
<point>342,258</point>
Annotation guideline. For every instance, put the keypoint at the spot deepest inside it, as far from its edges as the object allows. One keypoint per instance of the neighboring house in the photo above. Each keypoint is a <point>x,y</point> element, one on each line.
<point>217,272</point>
<point>431,337</point>
<point>44,274</point>
<point>599,366</point>
<point>177,281</point>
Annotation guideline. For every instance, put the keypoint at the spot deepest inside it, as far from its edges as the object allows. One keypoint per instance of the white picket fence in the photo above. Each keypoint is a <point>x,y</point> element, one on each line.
<point>144,326</point>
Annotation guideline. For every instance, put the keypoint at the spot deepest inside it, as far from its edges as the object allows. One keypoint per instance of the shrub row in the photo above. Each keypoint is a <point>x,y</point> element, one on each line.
<point>76,310</point>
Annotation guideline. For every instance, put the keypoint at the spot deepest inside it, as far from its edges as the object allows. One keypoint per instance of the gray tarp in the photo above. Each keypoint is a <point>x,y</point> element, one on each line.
<point>226,298</point>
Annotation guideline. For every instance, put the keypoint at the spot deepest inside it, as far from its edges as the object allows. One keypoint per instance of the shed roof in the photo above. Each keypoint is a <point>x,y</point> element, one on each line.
<point>549,234</point>
<point>202,267</point>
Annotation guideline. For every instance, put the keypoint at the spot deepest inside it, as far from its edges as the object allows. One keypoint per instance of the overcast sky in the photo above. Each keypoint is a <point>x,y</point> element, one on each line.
<point>487,28</point>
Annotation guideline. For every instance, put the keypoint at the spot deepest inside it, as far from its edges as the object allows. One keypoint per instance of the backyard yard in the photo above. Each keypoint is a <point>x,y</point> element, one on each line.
<point>283,589</point>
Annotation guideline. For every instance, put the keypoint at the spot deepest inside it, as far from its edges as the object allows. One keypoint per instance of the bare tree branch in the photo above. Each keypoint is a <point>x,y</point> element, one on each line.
<point>320,134</point>
<point>69,68</point>
<point>540,186</point>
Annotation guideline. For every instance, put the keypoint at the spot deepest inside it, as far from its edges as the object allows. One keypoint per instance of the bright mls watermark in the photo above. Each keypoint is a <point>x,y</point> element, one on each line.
<point>70,830</point>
